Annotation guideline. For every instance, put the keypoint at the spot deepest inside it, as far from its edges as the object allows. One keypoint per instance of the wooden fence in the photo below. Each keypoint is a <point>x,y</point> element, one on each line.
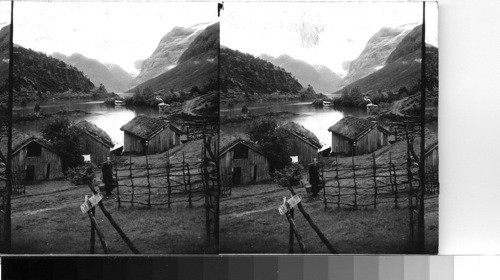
<point>355,186</point>
<point>166,184</point>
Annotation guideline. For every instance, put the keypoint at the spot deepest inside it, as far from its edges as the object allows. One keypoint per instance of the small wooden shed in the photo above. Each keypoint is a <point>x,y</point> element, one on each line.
<point>33,156</point>
<point>305,144</point>
<point>96,142</point>
<point>357,136</point>
<point>160,134</point>
<point>241,161</point>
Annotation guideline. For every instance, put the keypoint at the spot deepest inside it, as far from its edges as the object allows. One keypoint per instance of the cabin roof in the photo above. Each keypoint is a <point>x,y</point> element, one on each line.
<point>303,133</point>
<point>144,126</point>
<point>227,142</point>
<point>95,132</point>
<point>20,140</point>
<point>351,127</point>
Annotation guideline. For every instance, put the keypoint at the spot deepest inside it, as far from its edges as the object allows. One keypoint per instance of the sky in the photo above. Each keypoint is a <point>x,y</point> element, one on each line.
<point>4,13</point>
<point>318,33</point>
<point>111,32</point>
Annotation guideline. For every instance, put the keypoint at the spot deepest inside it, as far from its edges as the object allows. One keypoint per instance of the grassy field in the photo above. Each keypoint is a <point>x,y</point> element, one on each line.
<point>250,222</point>
<point>48,220</point>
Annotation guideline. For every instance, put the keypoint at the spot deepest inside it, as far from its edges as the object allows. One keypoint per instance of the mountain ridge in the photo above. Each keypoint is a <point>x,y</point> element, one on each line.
<point>197,66</point>
<point>305,73</point>
<point>115,80</point>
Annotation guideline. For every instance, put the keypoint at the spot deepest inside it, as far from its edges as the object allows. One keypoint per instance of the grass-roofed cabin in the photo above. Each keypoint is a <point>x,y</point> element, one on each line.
<point>241,161</point>
<point>361,135</point>
<point>96,142</point>
<point>33,156</point>
<point>160,134</point>
<point>305,144</point>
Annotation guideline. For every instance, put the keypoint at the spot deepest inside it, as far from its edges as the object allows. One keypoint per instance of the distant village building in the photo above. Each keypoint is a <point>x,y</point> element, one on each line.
<point>357,136</point>
<point>33,156</point>
<point>372,109</point>
<point>304,144</point>
<point>160,134</point>
<point>96,142</point>
<point>241,161</point>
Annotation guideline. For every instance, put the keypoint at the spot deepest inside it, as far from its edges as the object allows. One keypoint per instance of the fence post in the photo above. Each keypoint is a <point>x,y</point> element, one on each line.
<point>324,185</point>
<point>184,178</point>
<point>337,178</point>
<point>189,186</point>
<point>147,174</point>
<point>92,234</point>
<point>290,240</point>
<point>355,185</point>
<point>117,184</point>
<point>395,187</point>
<point>313,224</point>
<point>375,179</point>
<point>169,189</point>
<point>131,178</point>
<point>297,235</point>
<point>99,233</point>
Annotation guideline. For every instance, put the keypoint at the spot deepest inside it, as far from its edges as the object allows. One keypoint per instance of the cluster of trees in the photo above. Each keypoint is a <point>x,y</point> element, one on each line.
<point>62,133</point>
<point>352,98</point>
<point>273,140</point>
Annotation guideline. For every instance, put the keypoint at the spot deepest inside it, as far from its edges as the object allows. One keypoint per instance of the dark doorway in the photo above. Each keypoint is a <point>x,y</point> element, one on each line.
<point>255,173</point>
<point>30,173</point>
<point>236,175</point>
<point>47,175</point>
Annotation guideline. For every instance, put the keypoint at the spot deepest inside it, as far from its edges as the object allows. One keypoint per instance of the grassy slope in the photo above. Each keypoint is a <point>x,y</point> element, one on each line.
<point>49,213</point>
<point>250,222</point>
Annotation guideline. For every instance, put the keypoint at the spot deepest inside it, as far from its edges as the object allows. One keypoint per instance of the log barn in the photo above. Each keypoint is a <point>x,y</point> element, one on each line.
<point>241,161</point>
<point>357,136</point>
<point>160,134</point>
<point>33,156</point>
<point>96,142</point>
<point>304,144</point>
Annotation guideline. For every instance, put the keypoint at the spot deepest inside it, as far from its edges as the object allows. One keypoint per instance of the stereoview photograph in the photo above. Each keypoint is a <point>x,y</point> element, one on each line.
<point>115,124</point>
<point>328,119</point>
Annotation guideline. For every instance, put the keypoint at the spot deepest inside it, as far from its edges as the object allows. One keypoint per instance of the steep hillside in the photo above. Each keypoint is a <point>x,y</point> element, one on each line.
<point>196,66</point>
<point>35,71</point>
<point>375,53</point>
<point>402,68</point>
<point>116,80</point>
<point>306,73</point>
<point>244,73</point>
<point>167,53</point>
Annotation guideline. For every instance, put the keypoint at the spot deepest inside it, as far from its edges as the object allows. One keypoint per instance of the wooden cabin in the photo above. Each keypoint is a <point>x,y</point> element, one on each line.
<point>305,144</point>
<point>96,142</point>
<point>160,135</point>
<point>33,156</point>
<point>241,161</point>
<point>357,136</point>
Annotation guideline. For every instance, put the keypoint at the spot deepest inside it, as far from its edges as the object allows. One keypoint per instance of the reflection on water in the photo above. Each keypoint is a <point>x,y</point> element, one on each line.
<point>317,120</point>
<point>110,119</point>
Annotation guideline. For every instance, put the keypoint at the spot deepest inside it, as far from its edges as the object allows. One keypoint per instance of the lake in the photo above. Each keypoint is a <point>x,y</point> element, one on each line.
<point>317,120</point>
<point>108,118</point>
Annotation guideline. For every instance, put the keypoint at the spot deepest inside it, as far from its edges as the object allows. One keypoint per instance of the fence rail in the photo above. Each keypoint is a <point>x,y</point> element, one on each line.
<point>164,184</point>
<point>357,186</point>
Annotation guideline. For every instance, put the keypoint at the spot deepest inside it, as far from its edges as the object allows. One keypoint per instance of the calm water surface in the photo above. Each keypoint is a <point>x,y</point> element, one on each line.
<point>317,120</point>
<point>110,119</point>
